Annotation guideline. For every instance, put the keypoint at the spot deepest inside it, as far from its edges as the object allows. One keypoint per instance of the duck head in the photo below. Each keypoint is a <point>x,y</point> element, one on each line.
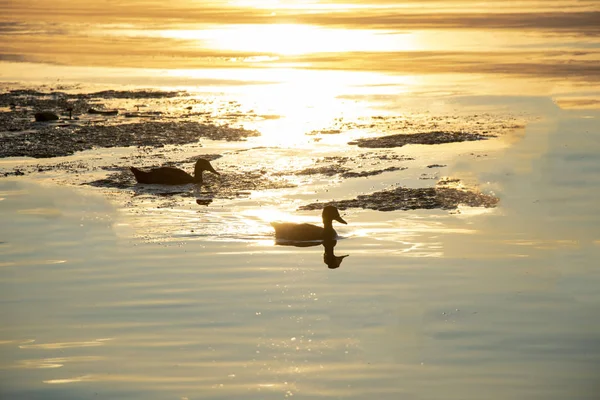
<point>331,213</point>
<point>203,165</point>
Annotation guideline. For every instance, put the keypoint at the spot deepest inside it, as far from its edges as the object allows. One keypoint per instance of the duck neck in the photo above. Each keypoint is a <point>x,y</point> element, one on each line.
<point>198,176</point>
<point>329,231</point>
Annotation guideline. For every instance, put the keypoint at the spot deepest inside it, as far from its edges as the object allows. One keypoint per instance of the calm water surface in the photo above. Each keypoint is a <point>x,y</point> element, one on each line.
<point>427,304</point>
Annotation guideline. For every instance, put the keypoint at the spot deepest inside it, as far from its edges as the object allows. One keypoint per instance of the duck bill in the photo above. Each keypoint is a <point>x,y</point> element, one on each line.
<point>211,169</point>
<point>339,219</point>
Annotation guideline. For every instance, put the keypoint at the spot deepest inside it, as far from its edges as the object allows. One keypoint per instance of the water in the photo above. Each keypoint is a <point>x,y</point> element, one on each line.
<point>114,290</point>
<point>427,304</point>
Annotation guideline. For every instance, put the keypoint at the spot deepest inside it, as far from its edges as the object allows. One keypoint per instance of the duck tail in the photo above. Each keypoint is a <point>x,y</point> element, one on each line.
<point>140,175</point>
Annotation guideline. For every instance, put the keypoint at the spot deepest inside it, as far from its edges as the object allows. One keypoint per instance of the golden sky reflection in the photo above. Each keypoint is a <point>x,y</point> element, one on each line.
<point>553,41</point>
<point>290,39</point>
<point>65,345</point>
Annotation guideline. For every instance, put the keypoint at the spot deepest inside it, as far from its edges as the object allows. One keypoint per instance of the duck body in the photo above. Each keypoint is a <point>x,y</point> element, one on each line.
<point>302,232</point>
<point>164,175</point>
<point>173,176</point>
<point>308,232</point>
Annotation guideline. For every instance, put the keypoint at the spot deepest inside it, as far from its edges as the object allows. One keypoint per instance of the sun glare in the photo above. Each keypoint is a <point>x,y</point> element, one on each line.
<point>272,214</point>
<point>303,101</point>
<point>295,39</point>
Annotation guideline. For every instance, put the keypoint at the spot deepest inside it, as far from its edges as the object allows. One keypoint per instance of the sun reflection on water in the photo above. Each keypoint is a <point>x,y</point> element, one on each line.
<point>272,214</point>
<point>294,39</point>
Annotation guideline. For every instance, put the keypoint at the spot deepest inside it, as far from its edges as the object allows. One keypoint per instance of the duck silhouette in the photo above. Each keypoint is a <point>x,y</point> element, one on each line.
<point>287,231</point>
<point>173,176</point>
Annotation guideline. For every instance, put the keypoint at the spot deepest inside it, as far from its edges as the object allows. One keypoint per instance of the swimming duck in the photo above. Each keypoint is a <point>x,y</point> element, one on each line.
<point>173,176</point>
<point>309,232</point>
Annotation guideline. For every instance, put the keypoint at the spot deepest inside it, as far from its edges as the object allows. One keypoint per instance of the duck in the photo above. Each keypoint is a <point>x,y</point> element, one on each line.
<point>308,232</point>
<point>173,176</point>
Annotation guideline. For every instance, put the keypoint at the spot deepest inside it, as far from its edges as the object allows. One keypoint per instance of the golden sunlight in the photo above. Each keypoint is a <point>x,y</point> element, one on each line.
<point>295,39</point>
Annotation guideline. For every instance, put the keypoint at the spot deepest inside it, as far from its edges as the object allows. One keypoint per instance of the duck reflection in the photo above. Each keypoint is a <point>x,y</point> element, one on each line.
<point>203,202</point>
<point>329,258</point>
<point>203,196</point>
